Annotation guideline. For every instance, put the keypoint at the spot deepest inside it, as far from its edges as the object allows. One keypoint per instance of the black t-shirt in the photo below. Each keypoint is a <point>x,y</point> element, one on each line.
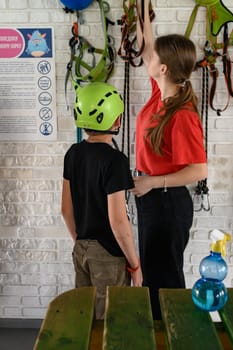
<point>94,171</point>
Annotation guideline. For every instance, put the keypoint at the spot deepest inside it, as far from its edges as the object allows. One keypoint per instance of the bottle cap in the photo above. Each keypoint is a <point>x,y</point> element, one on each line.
<point>219,240</point>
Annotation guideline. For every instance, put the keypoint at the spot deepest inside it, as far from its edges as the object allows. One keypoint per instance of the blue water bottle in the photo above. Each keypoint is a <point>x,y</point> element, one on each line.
<point>209,292</point>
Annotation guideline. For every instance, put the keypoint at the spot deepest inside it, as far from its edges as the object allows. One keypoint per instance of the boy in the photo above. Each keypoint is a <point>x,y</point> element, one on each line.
<point>96,177</point>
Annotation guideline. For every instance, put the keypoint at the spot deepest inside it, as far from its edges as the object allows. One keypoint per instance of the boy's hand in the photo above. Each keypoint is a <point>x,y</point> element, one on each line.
<point>137,278</point>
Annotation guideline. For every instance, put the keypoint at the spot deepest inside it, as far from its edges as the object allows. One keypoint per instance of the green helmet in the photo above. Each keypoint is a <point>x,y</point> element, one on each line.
<point>97,106</point>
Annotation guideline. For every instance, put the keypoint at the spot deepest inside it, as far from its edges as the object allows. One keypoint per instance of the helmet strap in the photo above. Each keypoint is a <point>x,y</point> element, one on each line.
<point>108,132</point>
<point>114,132</point>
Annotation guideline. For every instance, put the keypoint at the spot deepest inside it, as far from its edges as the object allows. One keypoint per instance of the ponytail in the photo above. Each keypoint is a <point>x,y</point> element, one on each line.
<point>183,99</point>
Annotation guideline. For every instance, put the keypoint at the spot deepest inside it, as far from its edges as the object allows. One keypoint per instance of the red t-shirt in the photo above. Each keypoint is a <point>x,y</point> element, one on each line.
<point>182,141</point>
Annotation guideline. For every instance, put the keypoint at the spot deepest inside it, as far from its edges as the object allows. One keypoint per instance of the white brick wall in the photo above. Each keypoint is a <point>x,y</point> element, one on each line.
<point>35,248</point>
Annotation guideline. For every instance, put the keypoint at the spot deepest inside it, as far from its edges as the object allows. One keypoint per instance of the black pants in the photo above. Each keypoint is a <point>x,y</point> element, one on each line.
<point>164,221</point>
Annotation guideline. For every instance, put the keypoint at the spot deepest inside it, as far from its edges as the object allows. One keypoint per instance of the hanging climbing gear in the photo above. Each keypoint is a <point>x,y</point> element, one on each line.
<point>209,61</point>
<point>77,5</point>
<point>130,54</point>
<point>97,106</point>
<point>201,191</point>
<point>207,64</point>
<point>217,17</point>
<point>217,14</point>
<point>201,196</point>
<point>81,47</point>
<point>128,49</point>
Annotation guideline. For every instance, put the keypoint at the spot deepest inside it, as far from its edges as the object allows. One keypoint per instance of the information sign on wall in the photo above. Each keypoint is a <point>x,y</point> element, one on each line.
<point>27,84</point>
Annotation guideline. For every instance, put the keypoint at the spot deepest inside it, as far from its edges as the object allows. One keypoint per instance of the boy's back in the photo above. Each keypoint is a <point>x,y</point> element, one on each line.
<point>94,171</point>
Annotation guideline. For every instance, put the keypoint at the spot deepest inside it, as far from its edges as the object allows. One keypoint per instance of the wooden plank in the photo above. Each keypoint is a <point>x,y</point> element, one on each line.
<point>128,320</point>
<point>187,327</point>
<point>68,322</point>
<point>226,314</point>
<point>96,339</point>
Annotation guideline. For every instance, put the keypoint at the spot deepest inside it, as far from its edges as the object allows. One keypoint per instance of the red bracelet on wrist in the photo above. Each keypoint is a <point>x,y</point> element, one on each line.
<point>131,270</point>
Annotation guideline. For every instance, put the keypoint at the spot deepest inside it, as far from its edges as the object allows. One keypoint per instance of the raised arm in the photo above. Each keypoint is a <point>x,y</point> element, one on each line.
<point>144,31</point>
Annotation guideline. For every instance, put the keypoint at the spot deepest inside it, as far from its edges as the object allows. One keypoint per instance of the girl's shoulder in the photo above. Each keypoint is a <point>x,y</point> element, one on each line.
<point>188,111</point>
<point>185,117</point>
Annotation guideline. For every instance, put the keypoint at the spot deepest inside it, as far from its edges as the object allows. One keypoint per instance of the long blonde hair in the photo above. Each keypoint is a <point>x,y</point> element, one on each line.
<point>178,53</point>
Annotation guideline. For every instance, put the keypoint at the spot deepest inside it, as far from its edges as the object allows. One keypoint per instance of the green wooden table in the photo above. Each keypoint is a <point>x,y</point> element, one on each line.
<point>187,327</point>
<point>70,325</point>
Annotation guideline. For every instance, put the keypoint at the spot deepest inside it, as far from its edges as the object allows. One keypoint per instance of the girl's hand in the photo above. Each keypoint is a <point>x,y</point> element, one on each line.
<point>142,185</point>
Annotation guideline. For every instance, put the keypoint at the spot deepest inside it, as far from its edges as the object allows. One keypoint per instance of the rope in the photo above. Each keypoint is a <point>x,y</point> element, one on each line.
<point>126,113</point>
<point>202,188</point>
<point>204,112</point>
<point>126,124</point>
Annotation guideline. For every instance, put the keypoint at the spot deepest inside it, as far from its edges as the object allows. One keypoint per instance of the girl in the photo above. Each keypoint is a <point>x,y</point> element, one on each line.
<point>170,154</point>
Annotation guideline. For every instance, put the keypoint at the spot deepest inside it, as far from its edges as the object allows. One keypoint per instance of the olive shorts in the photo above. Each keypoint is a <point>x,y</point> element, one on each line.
<point>94,266</point>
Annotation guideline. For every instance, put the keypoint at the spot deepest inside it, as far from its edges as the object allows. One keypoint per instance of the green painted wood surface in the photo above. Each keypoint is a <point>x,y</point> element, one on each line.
<point>186,326</point>
<point>226,315</point>
<point>68,322</point>
<point>128,323</point>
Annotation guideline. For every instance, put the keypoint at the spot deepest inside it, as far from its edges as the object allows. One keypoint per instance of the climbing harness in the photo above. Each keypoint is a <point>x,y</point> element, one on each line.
<point>217,17</point>
<point>81,48</point>
<point>128,49</point>
<point>209,61</point>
